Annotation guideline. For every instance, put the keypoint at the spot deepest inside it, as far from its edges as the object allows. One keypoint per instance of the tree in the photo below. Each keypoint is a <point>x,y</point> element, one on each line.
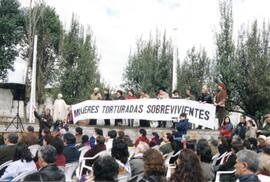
<point>11,31</point>
<point>79,64</point>
<point>225,69</point>
<point>194,72</point>
<point>43,21</point>
<point>253,63</point>
<point>150,67</point>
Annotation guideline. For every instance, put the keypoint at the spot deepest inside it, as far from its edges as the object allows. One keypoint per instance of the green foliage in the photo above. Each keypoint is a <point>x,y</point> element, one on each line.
<point>194,72</point>
<point>11,31</point>
<point>79,74</point>
<point>225,53</point>
<point>150,67</point>
<point>48,29</point>
<point>253,64</point>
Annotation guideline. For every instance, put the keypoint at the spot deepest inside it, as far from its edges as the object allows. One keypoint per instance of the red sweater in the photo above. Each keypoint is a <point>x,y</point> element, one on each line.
<point>60,160</point>
<point>141,138</point>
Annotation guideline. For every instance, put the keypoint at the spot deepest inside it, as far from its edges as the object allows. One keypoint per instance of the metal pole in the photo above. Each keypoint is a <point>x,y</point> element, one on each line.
<point>174,76</point>
<point>33,83</point>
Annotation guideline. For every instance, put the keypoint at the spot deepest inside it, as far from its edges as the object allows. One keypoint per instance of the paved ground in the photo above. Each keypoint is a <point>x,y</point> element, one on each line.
<point>132,132</point>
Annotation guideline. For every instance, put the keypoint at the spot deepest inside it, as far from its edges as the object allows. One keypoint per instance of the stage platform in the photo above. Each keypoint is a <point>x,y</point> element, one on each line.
<point>131,131</point>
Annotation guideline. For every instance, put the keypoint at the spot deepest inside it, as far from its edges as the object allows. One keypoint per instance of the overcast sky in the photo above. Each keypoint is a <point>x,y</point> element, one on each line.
<point>117,24</point>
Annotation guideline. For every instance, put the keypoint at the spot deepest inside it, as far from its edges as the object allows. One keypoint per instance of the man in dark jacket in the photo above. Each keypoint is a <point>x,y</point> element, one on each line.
<point>247,163</point>
<point>7,152</point>
<point>45,120</point>
<point>70,152</point>
<point>181,129</point>
<point>182,125</point>
<point>241,127</point>
<point>46,160</point>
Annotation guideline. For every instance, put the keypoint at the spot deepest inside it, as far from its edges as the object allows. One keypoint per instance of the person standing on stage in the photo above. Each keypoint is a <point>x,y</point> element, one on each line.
<point>107,96</point>
<point>129,97</point>
<point>162,94</point>
<point>95,96</point>
<point>60,110</point>
<point>143,122</point>
<point>119,96</point>
<point>188,95</point>
<point>45,120</point>
<point>205,98</point>
<point>175,95</point>
<point>220,102</point>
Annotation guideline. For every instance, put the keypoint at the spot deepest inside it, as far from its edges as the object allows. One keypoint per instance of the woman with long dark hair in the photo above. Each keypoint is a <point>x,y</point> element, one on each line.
<point>22,162</point>
<point>188,168</point>
<point>154,168</point>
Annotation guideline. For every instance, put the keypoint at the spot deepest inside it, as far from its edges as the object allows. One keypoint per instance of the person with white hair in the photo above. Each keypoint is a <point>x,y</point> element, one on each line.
<point>59,109</point>
<point>95,96</point>
<point>246,166</point>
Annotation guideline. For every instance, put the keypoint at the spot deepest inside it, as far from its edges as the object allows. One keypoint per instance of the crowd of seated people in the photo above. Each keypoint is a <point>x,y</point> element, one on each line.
<point>240,155</point>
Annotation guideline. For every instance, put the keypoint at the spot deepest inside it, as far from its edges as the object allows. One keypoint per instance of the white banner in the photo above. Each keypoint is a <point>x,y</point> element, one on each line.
<point>148,109</point>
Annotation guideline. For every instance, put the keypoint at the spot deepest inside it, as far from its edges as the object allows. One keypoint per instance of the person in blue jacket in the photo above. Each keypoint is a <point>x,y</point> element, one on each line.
<point>181,129</point>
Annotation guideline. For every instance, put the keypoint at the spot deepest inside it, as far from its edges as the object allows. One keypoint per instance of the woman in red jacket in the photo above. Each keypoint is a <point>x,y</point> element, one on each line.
<point>226,128</point>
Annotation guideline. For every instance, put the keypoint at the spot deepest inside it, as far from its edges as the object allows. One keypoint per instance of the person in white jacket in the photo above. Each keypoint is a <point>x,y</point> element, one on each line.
<point>22,162</point>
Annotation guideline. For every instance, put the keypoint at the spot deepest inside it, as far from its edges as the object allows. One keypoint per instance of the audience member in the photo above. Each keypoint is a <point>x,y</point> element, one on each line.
<point>2,143</point>
<point>60,160</point>
<point>29,138</point>
<point>125,138</point>
<point>85,142</point>
<point>136,161</point>
<point>78,135</point>
<point>264,167</point>
<point>109,140</point>
<point>70,152</point>
<point>48,140</point>
<point>251,130</point>
<point>213,143</point>
<point>22,162</point>
<point>100,146</point>
<point>46,160</point>
<point>205,156</point>
<point>169,145</point>
<point>188,168</point>
<point>120,153</point>
<point>105,169</point>
<point>155,140</point>
<point>226,128</point>
<point>229,161</point>
<point>246,166</point>
<point>154,168</point>
<point>97,132</point>
<point>142,137</point>
<point>7,152</point>
<point>266,127</point>
<point>30,129</point>
<point>261,143</point>
<point>241,127</point>
<point>37,176</point>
